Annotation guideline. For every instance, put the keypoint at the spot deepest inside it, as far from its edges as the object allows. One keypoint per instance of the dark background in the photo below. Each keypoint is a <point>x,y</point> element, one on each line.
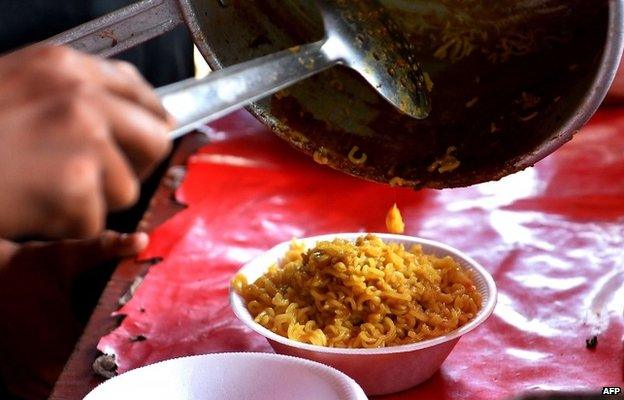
<point>162,60</point>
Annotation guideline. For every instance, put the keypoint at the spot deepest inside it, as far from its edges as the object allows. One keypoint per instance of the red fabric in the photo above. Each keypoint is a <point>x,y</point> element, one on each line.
<point>552,237</point>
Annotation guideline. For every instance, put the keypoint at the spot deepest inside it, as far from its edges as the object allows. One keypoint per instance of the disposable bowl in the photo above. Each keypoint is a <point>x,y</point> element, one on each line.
<point>379,370</point>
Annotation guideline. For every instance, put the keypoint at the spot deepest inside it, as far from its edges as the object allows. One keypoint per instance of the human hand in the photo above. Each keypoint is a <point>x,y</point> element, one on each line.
<point>76,135</point>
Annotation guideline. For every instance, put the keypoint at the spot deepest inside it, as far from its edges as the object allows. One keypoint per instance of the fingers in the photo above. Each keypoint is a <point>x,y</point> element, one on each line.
<point>52,177</point>
<point>121,186</point>
<point>113,245</point>
<point>79,128</point>
<point>124,80</point>
<point>70,169</point>
<point>128,140</point>
<point>61,67</point>
<point>76,163</point>
<point>78,133</point>
<point>108,246</point>
<point>7,251</point>
<point>122,91</point>
<point>91,253</point>
<point>70,203</point>
<point>143,138</point>
<point>65,259</point>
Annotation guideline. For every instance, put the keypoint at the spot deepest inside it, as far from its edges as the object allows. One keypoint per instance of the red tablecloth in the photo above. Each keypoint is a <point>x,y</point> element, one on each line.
<point>552,237</point>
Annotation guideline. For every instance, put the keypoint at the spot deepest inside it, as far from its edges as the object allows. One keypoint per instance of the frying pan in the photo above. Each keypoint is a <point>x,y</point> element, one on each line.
<point>510,80</point>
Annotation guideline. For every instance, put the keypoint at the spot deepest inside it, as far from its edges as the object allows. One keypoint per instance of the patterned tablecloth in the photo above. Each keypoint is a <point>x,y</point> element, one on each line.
<point>552,237</point>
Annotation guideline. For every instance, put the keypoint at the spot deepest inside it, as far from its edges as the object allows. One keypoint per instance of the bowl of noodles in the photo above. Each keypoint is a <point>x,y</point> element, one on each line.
<point>385,309</point>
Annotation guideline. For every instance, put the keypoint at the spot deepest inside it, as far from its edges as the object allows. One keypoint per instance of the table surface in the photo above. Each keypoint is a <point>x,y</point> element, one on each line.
<point>551,236</point>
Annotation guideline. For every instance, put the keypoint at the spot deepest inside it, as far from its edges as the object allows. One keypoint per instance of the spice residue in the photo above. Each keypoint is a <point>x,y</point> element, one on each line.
<point>591,343</point>
<point>394,220</point>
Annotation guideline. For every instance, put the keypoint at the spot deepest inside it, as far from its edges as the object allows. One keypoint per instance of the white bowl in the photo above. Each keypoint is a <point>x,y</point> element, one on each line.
<point>231,376</point>
<point>381,370</point>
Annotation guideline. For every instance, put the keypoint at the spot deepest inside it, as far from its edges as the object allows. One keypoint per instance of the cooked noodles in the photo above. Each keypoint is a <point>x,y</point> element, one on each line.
<point>446,163</point>
<point>361,294</point>
<point>356,160</point>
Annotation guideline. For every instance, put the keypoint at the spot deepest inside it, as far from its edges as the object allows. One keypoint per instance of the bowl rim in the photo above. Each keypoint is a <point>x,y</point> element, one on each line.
<point>268,257</point>
<point>347,384</point>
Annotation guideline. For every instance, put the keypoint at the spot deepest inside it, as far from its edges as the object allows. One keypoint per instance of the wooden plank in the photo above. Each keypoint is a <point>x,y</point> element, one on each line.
<point>77,378</point>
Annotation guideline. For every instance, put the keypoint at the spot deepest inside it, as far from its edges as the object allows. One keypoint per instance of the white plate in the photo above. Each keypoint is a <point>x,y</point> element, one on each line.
<point>231,376</point>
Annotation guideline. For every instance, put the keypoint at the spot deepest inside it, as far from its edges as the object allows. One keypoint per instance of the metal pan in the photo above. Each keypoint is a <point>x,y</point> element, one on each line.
<point>512,80</point>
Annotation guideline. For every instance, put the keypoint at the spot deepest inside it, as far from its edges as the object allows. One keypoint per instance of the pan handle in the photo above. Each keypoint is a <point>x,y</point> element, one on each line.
<point>122,29</point>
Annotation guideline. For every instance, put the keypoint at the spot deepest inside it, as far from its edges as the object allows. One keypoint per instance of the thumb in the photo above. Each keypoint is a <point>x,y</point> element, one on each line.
<point>111,245</point>
<point>76,256</point>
